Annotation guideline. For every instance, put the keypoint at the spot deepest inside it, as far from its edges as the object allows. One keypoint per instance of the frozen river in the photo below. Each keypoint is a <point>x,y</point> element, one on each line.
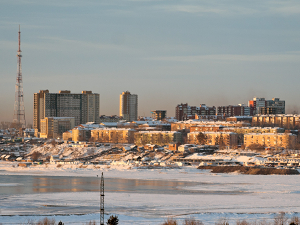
<point>148,196</point>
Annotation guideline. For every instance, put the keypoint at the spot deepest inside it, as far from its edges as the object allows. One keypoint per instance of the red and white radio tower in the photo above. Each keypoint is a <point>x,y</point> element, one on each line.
<point>19,109</point>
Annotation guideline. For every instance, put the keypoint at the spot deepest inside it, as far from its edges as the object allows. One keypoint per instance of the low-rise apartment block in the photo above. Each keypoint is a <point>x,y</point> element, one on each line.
<point>157,137</point>
<point>214,138</point>
<point>113,135</point>
<point>186,125</point>
<point>285,121</point>
<point>273,140</point>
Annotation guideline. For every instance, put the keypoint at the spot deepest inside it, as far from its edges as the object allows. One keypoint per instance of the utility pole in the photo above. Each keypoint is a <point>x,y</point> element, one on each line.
<point>19,108</point>
<point>102,200</point>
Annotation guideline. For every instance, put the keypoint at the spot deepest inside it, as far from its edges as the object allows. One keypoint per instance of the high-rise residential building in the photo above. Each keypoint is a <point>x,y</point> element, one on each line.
<point>263,106</point>
<point>83,107</point>
<point>128,106</point>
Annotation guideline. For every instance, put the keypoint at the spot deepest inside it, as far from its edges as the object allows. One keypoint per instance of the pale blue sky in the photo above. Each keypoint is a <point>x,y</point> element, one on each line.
<point>168,52</point>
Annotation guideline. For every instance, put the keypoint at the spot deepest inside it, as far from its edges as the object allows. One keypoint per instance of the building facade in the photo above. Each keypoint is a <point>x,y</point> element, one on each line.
<point>129,106</point>
<point>53,127</point>
<point>157,137</point>
<point>83,107</point>
<point>113,135</point>
<point>284,121</point>
<point>274,140</point>
<point>215,138</point>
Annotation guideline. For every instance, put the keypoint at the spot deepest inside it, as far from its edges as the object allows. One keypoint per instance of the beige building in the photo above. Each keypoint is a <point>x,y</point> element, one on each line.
<point>54,127</point>
<point>215,138</point>
<point>274,140</point>
<point>67,136</point>
<point>81,134</point>
<point>241,131</point>
<point>113,135</point>
<point>129,106</point>
<point>157,137</point>
<point>181,125</point>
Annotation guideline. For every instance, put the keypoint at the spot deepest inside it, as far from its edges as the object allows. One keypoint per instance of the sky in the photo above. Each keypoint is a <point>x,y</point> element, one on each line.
<point>166,51</point>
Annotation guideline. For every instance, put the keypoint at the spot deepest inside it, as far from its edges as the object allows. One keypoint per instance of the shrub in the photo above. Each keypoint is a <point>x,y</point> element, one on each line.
<point>243,222</point>
<point>113,220</point>
<point>35,156</point>
<point>170,221</point>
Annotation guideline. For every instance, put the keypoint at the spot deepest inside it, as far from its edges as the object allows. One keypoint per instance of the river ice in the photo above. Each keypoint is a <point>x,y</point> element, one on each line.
<point>232,196</point>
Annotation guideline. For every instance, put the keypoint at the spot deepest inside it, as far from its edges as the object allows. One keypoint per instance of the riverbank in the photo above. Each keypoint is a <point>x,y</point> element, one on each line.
<point>249,170</point>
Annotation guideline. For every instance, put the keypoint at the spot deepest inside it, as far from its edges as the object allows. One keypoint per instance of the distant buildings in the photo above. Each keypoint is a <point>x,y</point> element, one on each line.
<point>263,106</point>
<point>159,114</point>
<point>83,107</point>
<point>233,110</point>
<point>186,112</point>
<point>129,106</point>
<point>113,118</point>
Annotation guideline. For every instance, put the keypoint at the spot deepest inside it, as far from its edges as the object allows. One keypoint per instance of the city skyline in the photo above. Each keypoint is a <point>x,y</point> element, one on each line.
<point>195,52</point>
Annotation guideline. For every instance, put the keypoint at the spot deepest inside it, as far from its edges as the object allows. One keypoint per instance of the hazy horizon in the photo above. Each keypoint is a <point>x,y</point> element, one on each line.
<point>166,52</point>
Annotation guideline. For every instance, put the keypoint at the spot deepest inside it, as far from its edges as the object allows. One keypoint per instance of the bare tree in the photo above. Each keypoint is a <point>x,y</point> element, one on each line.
<point>201,138</point>
<point>280,219</point>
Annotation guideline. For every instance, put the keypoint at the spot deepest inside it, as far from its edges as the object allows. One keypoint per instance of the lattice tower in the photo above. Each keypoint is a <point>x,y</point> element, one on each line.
<point>19,108</point>
<point>102,200</point>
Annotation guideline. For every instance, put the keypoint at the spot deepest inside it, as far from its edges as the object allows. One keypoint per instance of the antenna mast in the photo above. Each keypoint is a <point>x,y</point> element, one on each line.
<point>102,200</point>
<point>19,108</point>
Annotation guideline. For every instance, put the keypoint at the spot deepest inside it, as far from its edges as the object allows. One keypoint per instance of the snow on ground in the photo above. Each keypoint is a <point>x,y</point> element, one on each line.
<point>67,150</point>
<point>233,196</point>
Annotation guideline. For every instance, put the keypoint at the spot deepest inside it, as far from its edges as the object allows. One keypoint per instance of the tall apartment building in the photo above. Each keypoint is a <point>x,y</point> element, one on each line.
<point>263,106</point>
<point>83,107</point>
<point>186,112</point>
<point>129,106</point>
